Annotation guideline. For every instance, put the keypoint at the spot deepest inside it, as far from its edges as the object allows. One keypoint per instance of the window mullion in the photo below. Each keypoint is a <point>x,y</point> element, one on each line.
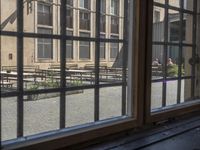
<point>97,59</point>
<point>20,104</point>
<point>124,59</point>
<point>180,53</point>
<point>62,63</point>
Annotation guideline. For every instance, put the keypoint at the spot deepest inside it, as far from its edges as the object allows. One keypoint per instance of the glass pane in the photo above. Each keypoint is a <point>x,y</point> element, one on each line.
<point>188,4</point>
<point>186,66</point>
<point>175,3</point>
<point>160,1</point>
<point>172,61</point>
<point>41,64</point>
<point>186,90</point>
<point>156,95</point>
<point>8,118</point>
<point>187,28</point>
<point>171,92</point>
<point>79,107</point>
<point>8,15</point>
<point>41,113</point>
<point>8,48</point>
<point>108,97</point>
<point>174,26</point>
<point>157,62</point>
<point>158,23</point>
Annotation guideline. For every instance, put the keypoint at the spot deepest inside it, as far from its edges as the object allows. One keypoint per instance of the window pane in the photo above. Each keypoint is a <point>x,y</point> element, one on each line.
<point>84,51</point>
<point>44,14</point>
<point>8,19</point>
<point>8,48</point>
<point>174,26</point>
<point>8,118</point>
<point>158,24</point>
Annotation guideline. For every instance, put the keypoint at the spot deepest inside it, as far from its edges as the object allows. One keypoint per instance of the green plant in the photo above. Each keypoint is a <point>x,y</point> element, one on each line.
<point>172,70</point>
<point>33,87</point>
<point>77,82</point>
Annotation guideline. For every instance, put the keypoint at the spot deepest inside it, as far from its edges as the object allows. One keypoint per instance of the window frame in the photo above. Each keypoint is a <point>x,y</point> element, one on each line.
<point>56,139</point>
<point>168,112</point>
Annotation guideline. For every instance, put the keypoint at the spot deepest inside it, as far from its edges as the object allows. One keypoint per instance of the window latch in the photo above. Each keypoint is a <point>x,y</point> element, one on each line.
<point>194,60</point>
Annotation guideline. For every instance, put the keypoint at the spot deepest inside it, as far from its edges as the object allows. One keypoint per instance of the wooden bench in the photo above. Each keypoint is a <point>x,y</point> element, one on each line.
<point>26,68</point>
<point>68,66</point>
<point>6,84</point>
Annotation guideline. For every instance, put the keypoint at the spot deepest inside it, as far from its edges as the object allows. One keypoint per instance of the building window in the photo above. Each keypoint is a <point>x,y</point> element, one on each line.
<point>114,24</point>
<point>84,4</point>
<point>103,6</point>
<point>69,17</point>
<point>45,46</point>
<point>84,47</point>
<point>103,23</point>
<point>44,14</point>
<point>157,16</point>
<point>70,3</point>
<point>114,9</point>
<point>84,20</point>
<point>69,46</point>
<point>102,48</point>
<point>114,48</point>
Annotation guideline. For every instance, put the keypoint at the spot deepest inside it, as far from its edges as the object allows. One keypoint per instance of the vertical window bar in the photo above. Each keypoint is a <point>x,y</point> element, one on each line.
<point>0,76</point>
<point>194,47</point>
<point>97,59</point>
<point>62,62</point>
<point>20,104</point>
<point>165,55</point>
<point>180,53</point>
<point>125,56</point>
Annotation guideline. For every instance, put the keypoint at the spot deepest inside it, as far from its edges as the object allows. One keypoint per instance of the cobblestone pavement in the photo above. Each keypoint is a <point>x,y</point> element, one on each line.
<point>43,115</point>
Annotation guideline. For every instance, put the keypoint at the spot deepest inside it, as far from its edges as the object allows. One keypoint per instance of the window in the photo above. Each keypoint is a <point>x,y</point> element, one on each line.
<point>114,9</point>
<point>69,47</point>
<point>103,23</point>
<point>44,14</point>
<point>114,48</point>
<point>157,16</point>
<point>102,48</point>
<point>84,47</point>
<point>70,3</point>
<point>173,74</point>
<point>45,46</point>
<point>84,20</point>
<point>69,17</point>
<point>84,4</point>
<point>57,97</point>
<point>103,6</point>
<point>114,24</point>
